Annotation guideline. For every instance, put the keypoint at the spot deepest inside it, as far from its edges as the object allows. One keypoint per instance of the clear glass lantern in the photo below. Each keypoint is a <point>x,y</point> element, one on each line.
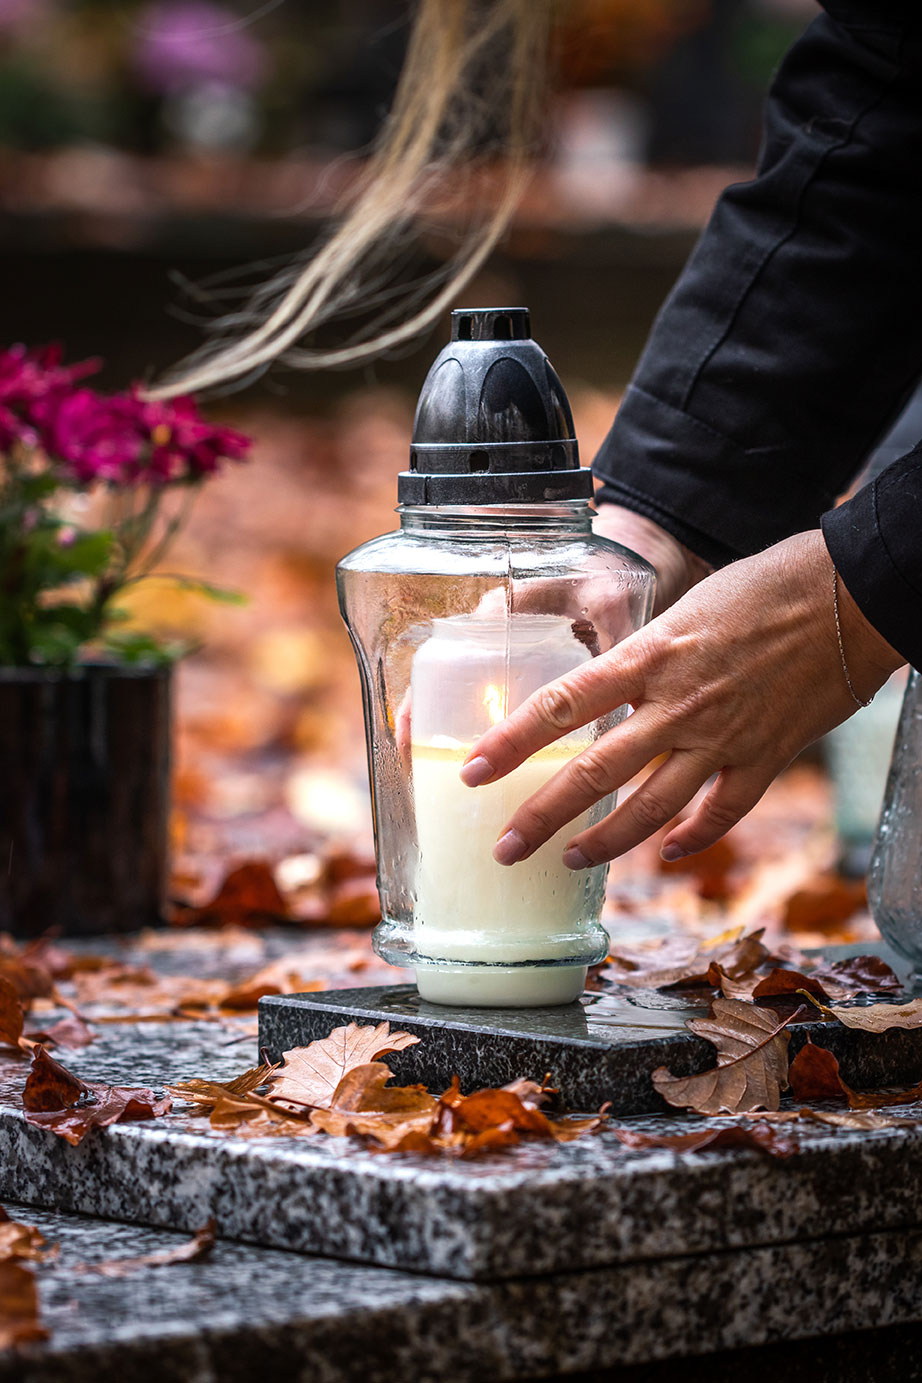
<point>895,875</point>
<point>493,586</point>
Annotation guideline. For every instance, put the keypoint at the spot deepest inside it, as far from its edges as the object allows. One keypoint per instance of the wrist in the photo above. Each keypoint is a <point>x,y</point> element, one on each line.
<point>867,658</point>
<point>677,567</point>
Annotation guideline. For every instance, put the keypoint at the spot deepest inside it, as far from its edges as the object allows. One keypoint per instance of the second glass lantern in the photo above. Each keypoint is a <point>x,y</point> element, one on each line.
<point>493,586</point>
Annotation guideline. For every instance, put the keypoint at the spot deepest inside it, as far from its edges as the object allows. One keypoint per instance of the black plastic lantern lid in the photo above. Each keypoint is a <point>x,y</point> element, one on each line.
<point>493,423</point>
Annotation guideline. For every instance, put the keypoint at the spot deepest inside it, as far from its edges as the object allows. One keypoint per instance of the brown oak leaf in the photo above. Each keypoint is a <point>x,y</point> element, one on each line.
<point>311,1075</point>
<point>752,1062</point>
<point>778,982</point>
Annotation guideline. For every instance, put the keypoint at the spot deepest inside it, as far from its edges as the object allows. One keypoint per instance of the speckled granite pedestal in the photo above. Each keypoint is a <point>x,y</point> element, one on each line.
<point>536,1209</point>
<point>602,1048</point>
<point>247,1312</point>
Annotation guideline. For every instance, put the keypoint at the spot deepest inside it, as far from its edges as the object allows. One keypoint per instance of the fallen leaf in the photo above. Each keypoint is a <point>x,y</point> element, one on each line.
<point>311,1075</point>
<point>758,1135</point>
<point>780,982</point>
<point>199,1246</point>
<point>11,1015</point>
<point>19,1316</point>
<point>683,961</point>
<point>752,1062</point>
<point>207,1093</point>
<point>247,897</point>
<point>814,1074</point>
<point>847,979</point>
<point>50,1086</point>
<point>21,1241</point>
<point>881,1017</point>
<point>277,978</point>
<point>56,1100</point>
<point>72,1032</point>
<point>863,1121</point>
<point>824,903</point>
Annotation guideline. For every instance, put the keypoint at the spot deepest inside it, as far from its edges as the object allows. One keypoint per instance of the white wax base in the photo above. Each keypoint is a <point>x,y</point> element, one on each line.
<point>495,987</point>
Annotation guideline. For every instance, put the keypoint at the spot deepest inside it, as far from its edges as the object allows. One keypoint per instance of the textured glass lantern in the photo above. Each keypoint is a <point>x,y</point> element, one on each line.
<point>895,875</point>
<point>493,586</point>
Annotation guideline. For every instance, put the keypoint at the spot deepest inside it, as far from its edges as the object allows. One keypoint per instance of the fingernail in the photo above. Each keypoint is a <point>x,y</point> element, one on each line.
<point>671,853</point>
<point>476,771</point>
<point>509,848</point>
<point>575,859</point>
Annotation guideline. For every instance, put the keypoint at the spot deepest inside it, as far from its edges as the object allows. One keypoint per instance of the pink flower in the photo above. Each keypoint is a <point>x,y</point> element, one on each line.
<point>183,445</point>
<point>96,438</point>
<point>29,381</point>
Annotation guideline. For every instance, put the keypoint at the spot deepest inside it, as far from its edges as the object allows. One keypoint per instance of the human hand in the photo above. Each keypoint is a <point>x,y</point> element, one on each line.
<point>735,679</point>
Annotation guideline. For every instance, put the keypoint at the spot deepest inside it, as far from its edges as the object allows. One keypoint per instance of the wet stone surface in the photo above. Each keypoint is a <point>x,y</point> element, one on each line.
<point>603,1048</point>
<point>536,1209</point>
<point>245,1312</point>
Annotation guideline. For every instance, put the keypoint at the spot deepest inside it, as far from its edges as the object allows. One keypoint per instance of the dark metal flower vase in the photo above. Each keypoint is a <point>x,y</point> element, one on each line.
<point>84,797</point>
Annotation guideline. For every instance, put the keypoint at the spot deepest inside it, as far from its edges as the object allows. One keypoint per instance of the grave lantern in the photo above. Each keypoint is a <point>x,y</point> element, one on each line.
<point>493,586</point>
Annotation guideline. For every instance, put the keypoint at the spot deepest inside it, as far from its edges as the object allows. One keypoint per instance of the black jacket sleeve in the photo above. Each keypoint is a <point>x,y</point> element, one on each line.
<point>794,334</point>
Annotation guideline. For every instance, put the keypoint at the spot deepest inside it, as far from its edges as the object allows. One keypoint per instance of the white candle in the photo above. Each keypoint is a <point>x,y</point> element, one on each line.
<point>469,908</point>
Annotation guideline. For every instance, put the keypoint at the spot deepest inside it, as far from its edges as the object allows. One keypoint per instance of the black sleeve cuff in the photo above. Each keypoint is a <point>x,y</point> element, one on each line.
<point>875,540</point>
<point>700,485</point>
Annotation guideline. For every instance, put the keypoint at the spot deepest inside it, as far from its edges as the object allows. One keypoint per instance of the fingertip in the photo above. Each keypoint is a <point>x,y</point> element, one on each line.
<point>476,772</point>
<point>672,851</point>
<point>574,858</point>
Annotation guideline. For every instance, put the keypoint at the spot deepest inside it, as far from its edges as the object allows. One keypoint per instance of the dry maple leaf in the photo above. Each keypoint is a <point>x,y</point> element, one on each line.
<point>55,1099</point>
<point>277,978</point>
<point>19,1317</point>
<point>758,1135</point>
<point>752,1062</point>
<point>312,1074</point>
<point>199,1246</point>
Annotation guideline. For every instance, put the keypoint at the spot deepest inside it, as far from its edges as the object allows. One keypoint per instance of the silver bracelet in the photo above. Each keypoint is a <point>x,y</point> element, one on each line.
<point>835,606</point>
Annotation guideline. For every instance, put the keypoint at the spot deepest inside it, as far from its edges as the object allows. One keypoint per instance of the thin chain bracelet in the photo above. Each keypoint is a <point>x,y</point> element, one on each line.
<point>835,606</point>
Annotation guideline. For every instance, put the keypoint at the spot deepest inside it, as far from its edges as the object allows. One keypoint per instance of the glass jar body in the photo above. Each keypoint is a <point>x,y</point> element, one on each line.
<point>455,619</point>
<point>895,875</point>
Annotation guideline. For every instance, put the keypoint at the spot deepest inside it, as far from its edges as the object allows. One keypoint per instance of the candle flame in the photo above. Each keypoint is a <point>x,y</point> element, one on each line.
<point>494,698</point>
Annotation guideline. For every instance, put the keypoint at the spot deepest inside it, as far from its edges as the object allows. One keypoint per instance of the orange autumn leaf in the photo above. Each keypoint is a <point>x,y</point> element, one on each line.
<point>11,1015</point>
<point>21,1241</point>
<point>824,904</point>
<point>19,1314</point>
<point>248,897</point>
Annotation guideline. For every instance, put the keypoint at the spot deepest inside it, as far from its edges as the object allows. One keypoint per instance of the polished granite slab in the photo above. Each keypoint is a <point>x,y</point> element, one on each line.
<point>536,1209</point>
<point>246,1312</point>
<point>603,1048</point>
